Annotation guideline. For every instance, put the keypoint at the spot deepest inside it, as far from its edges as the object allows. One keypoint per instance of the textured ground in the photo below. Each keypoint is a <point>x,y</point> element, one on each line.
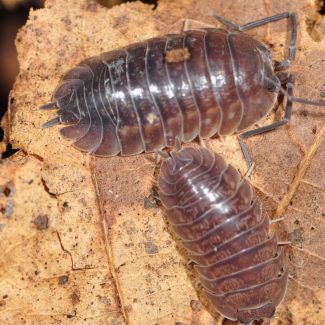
<point>82,240</point>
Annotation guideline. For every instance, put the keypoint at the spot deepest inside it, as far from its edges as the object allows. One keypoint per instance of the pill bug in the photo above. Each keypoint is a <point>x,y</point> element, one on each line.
<point>197,83</point>
<point>212,210</point>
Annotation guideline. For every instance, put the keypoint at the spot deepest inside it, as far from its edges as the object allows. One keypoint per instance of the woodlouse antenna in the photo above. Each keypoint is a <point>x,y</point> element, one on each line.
<point>287,116</point>
<point>292,98</point>
<point>308,102</point>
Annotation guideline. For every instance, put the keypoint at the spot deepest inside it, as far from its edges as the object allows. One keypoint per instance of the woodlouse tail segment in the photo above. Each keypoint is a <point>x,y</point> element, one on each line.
<point>50,123</point>
<point>265,312</point>
<point>86,121</point>
<point>54,121</point>
<point>62,118</point>
<point>49,106</point>
<point>249,300</point>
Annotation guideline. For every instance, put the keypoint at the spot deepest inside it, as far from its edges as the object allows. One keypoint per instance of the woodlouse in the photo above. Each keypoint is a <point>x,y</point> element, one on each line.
<point>212,210</point>
<point>197,83</point>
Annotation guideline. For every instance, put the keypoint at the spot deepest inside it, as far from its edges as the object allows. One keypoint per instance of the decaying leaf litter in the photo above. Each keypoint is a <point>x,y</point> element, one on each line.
<point>80,247</point>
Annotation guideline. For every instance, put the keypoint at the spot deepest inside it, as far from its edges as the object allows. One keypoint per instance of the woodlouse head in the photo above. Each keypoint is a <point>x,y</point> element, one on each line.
<point>178,160</point>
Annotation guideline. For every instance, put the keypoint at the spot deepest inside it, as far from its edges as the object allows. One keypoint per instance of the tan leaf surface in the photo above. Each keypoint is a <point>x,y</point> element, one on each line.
<point>69,256</point>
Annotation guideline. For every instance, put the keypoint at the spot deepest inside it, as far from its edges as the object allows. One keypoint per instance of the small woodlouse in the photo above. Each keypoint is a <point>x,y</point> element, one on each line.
<point>212,210</point>
<point>197,83</point>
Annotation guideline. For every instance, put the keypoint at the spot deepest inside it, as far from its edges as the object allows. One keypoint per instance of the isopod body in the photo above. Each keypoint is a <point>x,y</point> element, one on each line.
<point>139,98</point>
<point>212,210</point>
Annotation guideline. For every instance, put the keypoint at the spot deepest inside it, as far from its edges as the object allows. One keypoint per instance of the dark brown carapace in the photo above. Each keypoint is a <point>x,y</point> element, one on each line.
<point>197,83</point>
<point>212,210</point>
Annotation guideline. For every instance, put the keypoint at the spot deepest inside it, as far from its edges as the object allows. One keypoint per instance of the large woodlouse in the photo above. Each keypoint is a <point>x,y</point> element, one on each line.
<point>196,83</point>
<point>212,210</point>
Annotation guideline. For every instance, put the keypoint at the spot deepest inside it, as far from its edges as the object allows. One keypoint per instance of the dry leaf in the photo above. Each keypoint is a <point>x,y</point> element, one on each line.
<point>85,242</point>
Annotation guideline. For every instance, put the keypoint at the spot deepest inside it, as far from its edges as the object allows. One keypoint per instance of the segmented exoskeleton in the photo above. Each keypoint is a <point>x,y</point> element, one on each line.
<point>132,100</point>
<point>212,210</point>
<point>197,83</point>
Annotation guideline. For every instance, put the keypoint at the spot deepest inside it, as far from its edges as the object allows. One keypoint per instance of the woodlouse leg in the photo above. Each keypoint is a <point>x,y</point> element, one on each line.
<point>288,242</point>
<point>285,15</point>
<point>276,220</point>
<point>187,23</point>
<point>202,142</point>
<point>266,321</point>
<point>245,152</point>
<point>249,172</point>
<point>162,154</point>
<point>205,144</point>
<point>267,128</point>
<point>226,22</point>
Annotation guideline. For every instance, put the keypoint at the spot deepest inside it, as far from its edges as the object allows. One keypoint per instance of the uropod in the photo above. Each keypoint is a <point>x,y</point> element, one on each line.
<point>198,83</point>
<point>240,265</point>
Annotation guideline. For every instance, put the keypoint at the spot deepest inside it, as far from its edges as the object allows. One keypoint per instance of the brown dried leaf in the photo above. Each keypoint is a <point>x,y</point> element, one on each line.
<point>71,257</point>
